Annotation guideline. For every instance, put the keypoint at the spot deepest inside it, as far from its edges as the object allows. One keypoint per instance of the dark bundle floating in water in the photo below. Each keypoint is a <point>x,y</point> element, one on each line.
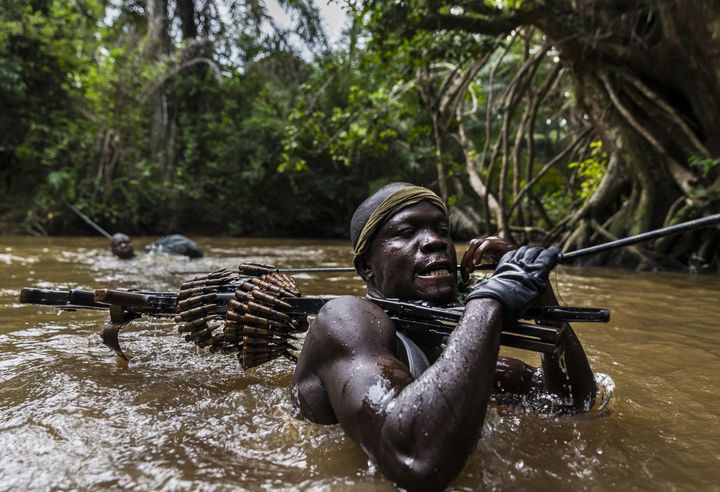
<point>176,244</point>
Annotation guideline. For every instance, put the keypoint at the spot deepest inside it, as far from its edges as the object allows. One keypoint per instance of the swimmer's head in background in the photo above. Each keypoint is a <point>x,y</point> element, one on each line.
<point>121,246</point>
<point>381,206</point>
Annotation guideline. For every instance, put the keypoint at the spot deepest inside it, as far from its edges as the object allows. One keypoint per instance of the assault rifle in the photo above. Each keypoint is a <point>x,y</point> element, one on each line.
<point>269,319</point>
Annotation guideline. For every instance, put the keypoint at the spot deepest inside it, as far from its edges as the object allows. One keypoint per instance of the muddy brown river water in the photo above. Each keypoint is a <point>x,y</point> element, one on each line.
<point>72,416</point>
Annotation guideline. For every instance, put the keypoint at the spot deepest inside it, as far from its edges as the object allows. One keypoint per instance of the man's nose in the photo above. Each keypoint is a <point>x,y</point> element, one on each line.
<point>431,241</point>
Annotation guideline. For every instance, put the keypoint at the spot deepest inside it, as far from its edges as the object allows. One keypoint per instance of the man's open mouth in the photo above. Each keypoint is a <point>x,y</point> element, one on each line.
<point>437,270</point>
<point>435,273</point>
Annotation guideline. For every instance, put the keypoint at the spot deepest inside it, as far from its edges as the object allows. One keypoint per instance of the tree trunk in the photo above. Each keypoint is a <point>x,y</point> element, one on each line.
<point>651,87</point>
<point>186,12</point>
<point>158,33</point>
<point>647,75</point>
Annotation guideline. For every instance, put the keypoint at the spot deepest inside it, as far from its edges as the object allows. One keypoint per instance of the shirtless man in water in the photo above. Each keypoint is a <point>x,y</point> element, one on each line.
<point>174,244</point>
<point>420,429</point>
<point>121,246</point>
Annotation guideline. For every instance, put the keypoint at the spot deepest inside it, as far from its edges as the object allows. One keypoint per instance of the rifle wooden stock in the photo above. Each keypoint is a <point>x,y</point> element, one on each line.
<point>120,297</point>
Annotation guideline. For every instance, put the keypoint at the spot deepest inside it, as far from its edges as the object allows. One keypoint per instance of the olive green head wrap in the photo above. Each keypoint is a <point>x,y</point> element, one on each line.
<point>383,204</point>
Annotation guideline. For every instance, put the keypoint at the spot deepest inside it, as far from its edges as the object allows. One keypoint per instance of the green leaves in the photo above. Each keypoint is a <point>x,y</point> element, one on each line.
<point>704,165</point>
<point>591,170</point>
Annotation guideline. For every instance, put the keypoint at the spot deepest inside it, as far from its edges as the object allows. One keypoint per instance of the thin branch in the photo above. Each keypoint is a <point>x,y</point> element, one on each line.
<point>473,96</point>
<point>608,190</point>
<point>671,112</point>
<point>489,104</point>
<point>522,78</point>
<point>540,95</point>
<point>683,200</point>
<point>319,92</point>
<point>682,176</point>
<point>479,7</point>
<point>505,130</point>
<point>510,100</point>
<point>559,157</point>
<point>461,83</point>
<point>522,131</point>
<point>87,113</point>
<point>608,235</point>
<point>156,84</point>
<point>557,229</point>
<point>497,24</point>
<point>541,208</point>
<point>446,85</point>
<point>488,180</point>
<point>527,229</point>
<point>471,165</point>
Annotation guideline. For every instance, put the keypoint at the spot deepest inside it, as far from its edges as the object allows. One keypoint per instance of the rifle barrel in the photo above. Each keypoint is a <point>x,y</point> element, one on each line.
<point>708,221</point>
<point>89,221</point>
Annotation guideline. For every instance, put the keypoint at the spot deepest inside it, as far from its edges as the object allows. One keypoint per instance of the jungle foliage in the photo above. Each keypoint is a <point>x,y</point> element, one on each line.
<point>554,121</point>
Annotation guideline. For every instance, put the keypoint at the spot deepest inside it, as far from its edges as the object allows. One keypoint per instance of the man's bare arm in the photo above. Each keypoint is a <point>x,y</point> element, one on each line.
<point>418,432</point>
<point>567,372</point>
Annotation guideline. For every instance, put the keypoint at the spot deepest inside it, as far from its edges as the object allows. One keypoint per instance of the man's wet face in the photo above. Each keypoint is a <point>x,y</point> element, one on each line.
<point>121,246</point>
<point>412,256</point>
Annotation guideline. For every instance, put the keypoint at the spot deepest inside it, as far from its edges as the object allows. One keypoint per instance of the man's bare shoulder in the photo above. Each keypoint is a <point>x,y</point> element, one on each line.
<point>346,328</point>
<point>352,323</point>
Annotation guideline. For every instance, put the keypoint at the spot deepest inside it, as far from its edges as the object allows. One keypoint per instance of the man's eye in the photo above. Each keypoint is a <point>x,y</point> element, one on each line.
<point>443,230</point>
<point>406,232</point>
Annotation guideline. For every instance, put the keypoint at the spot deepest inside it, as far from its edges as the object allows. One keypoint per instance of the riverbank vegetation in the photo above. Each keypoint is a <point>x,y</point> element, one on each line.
<point>559,122</point>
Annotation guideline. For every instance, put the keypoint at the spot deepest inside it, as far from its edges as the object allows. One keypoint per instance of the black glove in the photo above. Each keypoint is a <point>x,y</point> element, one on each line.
<point>520,277</point>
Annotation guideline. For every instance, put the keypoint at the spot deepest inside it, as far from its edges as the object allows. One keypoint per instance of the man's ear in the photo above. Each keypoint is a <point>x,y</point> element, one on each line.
<point>362,266</point>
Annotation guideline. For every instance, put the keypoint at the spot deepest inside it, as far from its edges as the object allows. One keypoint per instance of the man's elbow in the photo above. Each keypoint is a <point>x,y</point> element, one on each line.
<point>427,474</point>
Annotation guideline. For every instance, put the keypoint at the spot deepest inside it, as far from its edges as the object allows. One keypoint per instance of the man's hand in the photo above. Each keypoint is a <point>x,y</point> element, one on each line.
<point>490,249</point>
<point>520,277</point>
